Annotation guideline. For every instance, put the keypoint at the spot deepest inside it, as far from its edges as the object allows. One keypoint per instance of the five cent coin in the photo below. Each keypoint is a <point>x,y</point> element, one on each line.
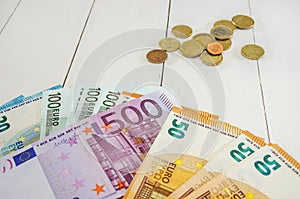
<point>215,48</point>
<point>157,56</point>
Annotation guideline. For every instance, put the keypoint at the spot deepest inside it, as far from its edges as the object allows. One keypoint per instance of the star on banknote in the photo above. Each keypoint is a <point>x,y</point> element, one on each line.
<point>178,162</point>
<point>98,189</point>
<point>88,130</point>
<point>249,195</point>
<point>77,184</point>
<point>22,139</point>
<point>63,156</point>
<point>199,165</point>
<point>72,142</point>
<point>106,127</point>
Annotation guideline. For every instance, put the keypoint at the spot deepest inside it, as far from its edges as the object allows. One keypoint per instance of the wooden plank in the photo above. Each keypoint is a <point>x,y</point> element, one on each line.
<point>277,32</point>
<point>7,8</point>
<point>115,43</point>
<point>37,46</point>
<point>230,89</point>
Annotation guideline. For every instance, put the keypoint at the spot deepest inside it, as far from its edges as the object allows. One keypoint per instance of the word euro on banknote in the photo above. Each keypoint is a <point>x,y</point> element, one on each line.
<point>226,157</point>
<point>57,107</point>
<point>176,153</point>
<point>95,158</point>
<point>92,100</point>
<point>269,173</point>
<point>20,124</point>
<point>20,100</point>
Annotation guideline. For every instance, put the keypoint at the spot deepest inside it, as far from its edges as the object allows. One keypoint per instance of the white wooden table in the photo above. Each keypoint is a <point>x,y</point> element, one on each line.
<point>48,42</point>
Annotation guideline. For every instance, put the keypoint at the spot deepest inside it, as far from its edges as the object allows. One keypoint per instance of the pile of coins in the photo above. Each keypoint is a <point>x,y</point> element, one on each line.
<point>207,46</point>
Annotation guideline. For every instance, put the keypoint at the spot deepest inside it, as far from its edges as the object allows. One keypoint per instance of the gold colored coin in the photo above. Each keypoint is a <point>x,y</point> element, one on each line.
<point>215,48</point>
<point>225,43</point>
<point>242,21</point>
<point>191,48</point>
<point>182,31</point>
<point>211,60</point>
<point>157,56</point>
<point>169,44</point>
<point>226,23</point>
<point>204,39</point>
<point>221,32</point>
<point>252,51</point>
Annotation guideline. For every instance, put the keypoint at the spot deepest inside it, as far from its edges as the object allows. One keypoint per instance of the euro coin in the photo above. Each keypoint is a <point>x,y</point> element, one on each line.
<point>226,23</point>
<point>191,48</point>
<point>157,56</point>
<point>242,21</point>
<point>215,48</point>
<point>169,44</point>
<point>182,31</point>
<point>204,39</point>
<point>221,32</point>
<point>252,51</point>
<point>211,60</point>
<point>225,43</point>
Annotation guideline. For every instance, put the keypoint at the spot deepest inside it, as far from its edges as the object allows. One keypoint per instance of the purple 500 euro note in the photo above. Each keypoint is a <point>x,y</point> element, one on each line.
<point>96,157</point>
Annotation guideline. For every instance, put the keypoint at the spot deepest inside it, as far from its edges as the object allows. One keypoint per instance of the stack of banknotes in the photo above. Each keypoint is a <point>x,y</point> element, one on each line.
<point>93,142</point>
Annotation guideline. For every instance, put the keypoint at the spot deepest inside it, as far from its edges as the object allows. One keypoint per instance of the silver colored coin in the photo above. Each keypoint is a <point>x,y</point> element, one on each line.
<point>221,32</point>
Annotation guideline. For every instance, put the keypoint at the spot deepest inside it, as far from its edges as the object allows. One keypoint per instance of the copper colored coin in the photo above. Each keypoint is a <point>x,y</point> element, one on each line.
<point>215,48</point>
<point>157,56</point>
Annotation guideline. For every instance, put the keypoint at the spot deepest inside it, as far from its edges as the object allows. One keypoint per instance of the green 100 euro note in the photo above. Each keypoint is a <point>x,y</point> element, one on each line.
<point>56,109</point>
<point>94,158</point>
<point>20,123</point>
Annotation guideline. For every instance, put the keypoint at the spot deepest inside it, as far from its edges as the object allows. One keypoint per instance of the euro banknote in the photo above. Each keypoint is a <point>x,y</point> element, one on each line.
<point>269,173</point>
<point>230,155</point>
<point>13,100</point>
<point>94,158</point>
<point>20,123</point>
<point>21,100</point>
<point>176,154</point>
<point>93,100</point>
<point>56,110</point>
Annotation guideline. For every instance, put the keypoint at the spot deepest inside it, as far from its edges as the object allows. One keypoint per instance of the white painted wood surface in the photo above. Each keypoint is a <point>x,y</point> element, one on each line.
<point>243,105</point>
<point>7,8</point>
<point>38,43</point>
<point>277,32</point>
<point>112,18</point>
